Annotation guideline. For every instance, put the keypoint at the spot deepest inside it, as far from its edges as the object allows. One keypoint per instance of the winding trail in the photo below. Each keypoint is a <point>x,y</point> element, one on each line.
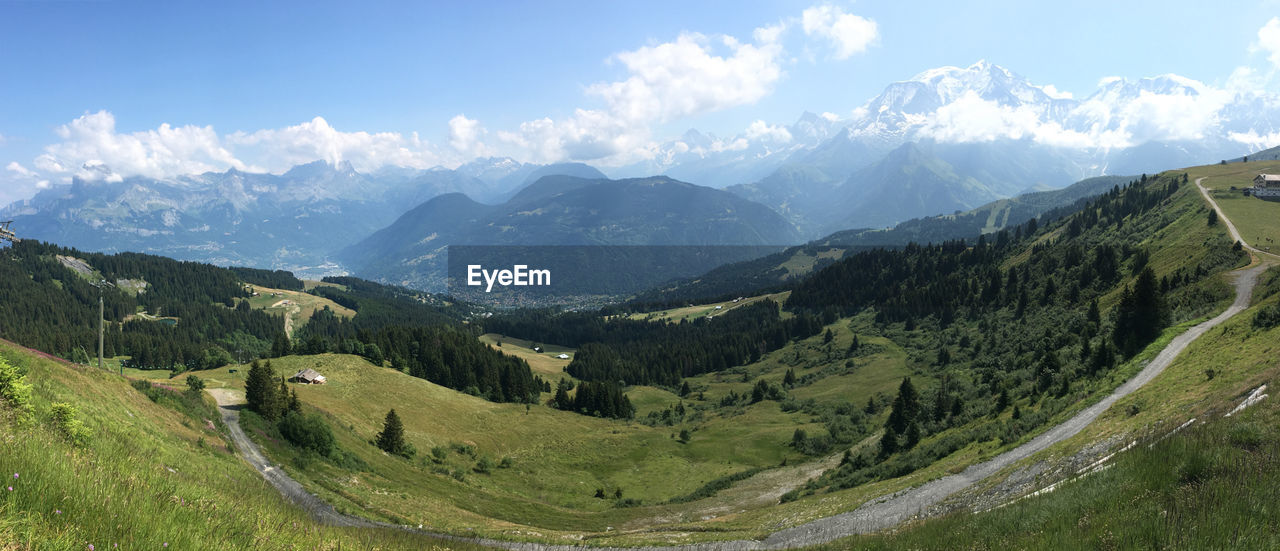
<point>873,516</point>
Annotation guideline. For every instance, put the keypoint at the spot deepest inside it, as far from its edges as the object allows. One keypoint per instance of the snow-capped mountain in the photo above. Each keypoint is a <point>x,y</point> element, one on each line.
<point>998,134</point>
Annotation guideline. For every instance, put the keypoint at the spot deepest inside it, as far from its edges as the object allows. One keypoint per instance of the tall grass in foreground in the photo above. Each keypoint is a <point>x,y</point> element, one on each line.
<point>132,485</point>
<point>1212,486</point>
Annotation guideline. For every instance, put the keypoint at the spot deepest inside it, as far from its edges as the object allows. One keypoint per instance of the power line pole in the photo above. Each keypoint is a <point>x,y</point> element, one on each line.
<point>101,284</point>
<point>101,322</point>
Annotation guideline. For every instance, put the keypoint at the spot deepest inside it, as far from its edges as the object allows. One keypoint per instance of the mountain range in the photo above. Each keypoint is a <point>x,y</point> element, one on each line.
<point>563,210</point>
<point>946,140</point>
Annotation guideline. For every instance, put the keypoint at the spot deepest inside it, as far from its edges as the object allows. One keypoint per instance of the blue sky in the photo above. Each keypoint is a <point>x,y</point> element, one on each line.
<point>465,76</point>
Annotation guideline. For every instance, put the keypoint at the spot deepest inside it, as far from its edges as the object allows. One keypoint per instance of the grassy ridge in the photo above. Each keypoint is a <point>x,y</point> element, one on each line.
<point>145,476</point>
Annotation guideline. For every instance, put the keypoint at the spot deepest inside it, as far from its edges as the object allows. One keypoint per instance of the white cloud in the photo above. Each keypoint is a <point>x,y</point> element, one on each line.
<point>276,150</point>
<point>19,169</point>
<point>759,130</point>
<point>1256,141</point>
<point>1118,116</point>
<point>91,139</point>
<point>90,148</point>
<point>972,119</point>
<point>465,134</point>
<point>850,34</point>
<point>1054,93</point>
<point>1269,40</point>
<point>692,75</point>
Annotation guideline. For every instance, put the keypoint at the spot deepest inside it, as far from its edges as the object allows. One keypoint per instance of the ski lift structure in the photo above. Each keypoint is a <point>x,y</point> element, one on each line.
<point>7,234</point>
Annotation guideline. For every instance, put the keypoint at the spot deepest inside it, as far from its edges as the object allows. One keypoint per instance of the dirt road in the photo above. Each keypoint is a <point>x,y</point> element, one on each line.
<point>229,403</point>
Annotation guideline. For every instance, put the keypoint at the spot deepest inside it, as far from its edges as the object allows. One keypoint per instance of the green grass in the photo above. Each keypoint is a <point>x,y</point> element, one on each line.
<point>1253,217</point>
<point>544,363</point>
<point>146,475</point>
<point>696,311</point>
<point>300,306</point>
<point>559,458</point>
<point>1211,486</point>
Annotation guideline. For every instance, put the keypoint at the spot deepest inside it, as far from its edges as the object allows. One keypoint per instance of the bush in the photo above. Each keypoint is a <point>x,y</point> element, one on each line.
<point>1267,318</point>
<point>308,432</point>
<point>439,453</point>
<point>14,390</point>
<point>67,420</point>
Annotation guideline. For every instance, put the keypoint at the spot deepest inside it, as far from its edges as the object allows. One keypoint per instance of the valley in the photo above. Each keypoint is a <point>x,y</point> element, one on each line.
<point>710,462</point>
<point>659,276</point>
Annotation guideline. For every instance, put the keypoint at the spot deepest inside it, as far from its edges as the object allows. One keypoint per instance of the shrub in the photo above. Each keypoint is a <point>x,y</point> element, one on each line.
<point>439,453</point>
<point>308,432</point>
<point>67,420</point>
<point>14,390</point>
<point>1267,318</point>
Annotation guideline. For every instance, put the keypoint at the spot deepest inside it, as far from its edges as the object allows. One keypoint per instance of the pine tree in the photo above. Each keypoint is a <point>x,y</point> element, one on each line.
<point>260,390</point>
<point>888,442</point>
<point>789,380</point>
<point>391,439</point>
<point>905,407</point>
<point>913,435</point>
<point>295,405</point>
<point>282,397</point>
<point>561,399</point>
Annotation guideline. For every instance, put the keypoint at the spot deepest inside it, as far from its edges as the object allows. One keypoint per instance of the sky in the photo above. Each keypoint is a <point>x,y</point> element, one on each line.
<point>161,89</point>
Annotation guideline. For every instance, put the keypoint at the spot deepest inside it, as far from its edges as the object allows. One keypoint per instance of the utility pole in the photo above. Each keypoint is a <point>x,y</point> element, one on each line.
<point>102,320</point>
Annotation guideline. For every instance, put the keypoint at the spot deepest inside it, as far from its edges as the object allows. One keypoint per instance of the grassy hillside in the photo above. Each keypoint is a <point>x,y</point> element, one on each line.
<point>1255,218</point>
<point>1211,485</point>
<point>142,475</point>
<point>675,491</point>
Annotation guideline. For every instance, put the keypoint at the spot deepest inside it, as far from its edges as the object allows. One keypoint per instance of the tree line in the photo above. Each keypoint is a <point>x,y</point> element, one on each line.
<point>638,352</point>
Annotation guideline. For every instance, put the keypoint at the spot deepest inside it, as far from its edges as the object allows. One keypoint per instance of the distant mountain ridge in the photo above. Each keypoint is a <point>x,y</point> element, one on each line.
<point>564,210</point>
<point>292,221</point>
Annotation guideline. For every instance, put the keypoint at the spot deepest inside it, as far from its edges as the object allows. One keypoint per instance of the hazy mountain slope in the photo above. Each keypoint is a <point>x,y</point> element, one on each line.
<point>768,272</point>
<point>562,210</point>
<point>293,221</point>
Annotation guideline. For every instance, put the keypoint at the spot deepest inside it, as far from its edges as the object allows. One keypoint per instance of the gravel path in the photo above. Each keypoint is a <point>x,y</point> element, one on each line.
<point>875,515</point>
<point>229,403</point>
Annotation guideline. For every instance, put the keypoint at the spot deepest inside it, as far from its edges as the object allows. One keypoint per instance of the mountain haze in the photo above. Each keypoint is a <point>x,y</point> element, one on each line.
<point>564,210</point>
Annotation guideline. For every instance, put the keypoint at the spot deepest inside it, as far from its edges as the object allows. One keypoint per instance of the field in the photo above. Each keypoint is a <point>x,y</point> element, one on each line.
<point>296,306</point>
<point>558,458</point>
<point>1255,218</point>
<point>543,363</point>
<point>710,309</point>
<point>145,476</point>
